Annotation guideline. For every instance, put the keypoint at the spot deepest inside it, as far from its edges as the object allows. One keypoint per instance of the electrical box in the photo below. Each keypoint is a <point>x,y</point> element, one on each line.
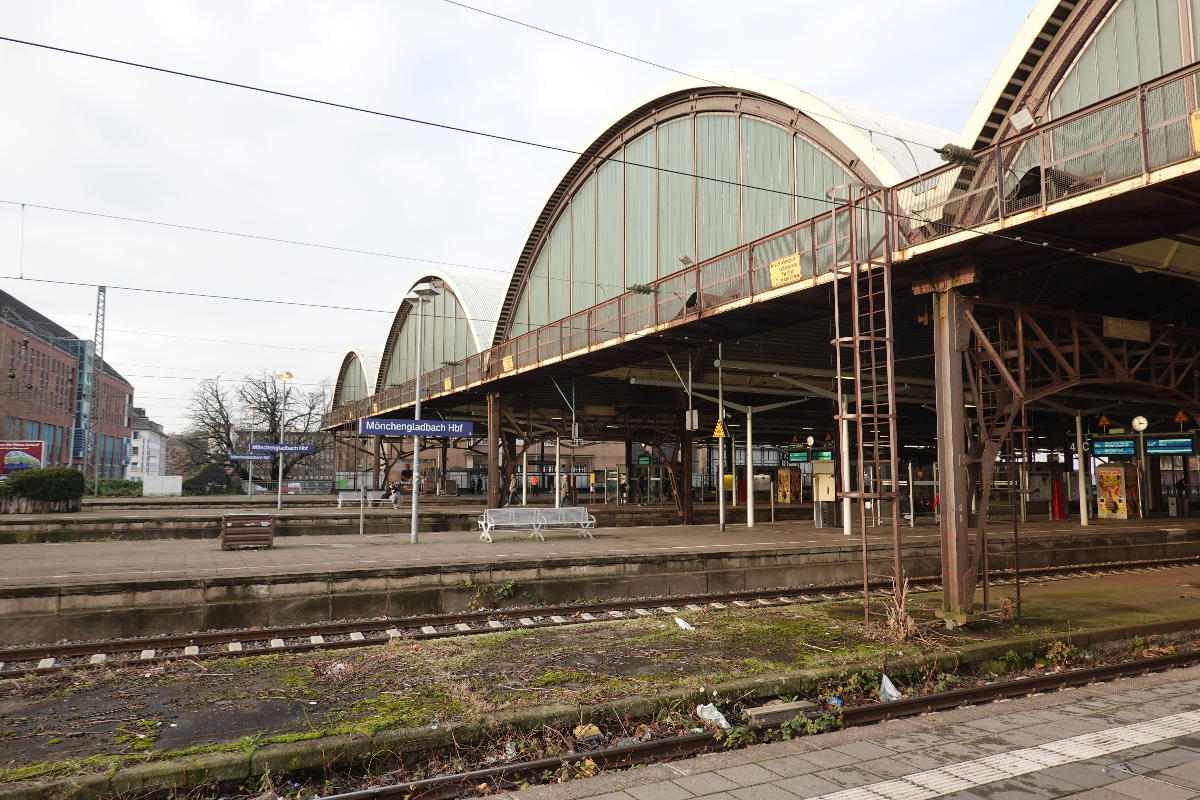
<point>692,419</point>
<point>824,482</point>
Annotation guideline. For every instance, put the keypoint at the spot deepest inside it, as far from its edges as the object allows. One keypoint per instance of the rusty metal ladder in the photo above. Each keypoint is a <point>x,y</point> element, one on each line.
<point>865,365</point>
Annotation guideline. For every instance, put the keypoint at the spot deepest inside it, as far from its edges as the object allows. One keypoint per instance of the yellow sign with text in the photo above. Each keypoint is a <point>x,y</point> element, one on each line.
<point>507,364</point>
<point>447,384</point>
<point>786,270</point>
<point>1196,131</point>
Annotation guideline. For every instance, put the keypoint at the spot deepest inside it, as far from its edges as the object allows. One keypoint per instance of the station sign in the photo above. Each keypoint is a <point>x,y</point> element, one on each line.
<point>644,459</point>
<point>1114,447</point>
<point>271,447</point>
<point>373,426</point>
<point>251,457</point>
<point>1171,445</point>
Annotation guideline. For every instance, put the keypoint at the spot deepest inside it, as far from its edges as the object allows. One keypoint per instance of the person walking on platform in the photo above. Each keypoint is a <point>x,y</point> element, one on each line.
<point>393,491</point>
<point>564,492</point>
<point>512,490</point>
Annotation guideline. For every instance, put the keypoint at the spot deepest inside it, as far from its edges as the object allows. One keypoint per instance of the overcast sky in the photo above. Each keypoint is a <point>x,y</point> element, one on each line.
<point>98,137</point>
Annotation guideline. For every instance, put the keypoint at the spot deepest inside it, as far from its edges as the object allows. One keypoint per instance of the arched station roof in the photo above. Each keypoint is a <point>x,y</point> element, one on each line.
<point>457,323</point>
<point>355,377</point>
<point>1071,53</point>
<point>674,173</point>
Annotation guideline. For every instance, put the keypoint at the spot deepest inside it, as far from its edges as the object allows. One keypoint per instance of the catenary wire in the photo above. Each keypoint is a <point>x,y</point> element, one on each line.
<point>673,70</point>
<point>514,140</point>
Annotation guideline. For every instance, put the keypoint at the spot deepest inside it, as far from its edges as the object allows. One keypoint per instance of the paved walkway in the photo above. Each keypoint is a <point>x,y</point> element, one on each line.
<point>1137,738</point>
<point>82,563</point>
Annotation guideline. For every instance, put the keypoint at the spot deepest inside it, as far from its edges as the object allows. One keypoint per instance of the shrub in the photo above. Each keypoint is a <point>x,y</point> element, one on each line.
<point>114,487</point>
<point>51,483</point>
<point>209,479</point>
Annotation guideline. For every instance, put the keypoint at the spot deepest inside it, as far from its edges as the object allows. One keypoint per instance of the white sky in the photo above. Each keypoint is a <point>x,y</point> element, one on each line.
<point>101,137</point>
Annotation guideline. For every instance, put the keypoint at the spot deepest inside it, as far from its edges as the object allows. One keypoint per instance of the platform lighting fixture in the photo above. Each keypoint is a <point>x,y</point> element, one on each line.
<point>1022,120</point>
<point>283,377</point>
<point>953,154</point>
<point>419,295</point>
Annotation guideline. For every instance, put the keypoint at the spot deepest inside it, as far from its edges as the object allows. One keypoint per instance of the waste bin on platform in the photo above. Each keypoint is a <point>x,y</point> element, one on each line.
<point>247,530</point>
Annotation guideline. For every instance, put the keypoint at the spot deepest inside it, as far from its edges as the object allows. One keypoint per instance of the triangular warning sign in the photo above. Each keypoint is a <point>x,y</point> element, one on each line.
<point>1181,417</point>
<point>795,440</point>
<point>719,431</point>
<point>1103,423</point>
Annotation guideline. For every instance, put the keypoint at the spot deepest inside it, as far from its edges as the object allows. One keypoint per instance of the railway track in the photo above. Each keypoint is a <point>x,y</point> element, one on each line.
<point>506,776</point>
<point>44,658</point>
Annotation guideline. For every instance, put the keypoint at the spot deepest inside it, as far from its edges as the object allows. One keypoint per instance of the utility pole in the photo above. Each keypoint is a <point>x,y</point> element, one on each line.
<point>97,374</point>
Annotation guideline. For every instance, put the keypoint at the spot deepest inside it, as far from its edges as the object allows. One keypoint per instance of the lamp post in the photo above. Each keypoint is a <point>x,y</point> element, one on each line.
<point>418,296</point>
<point>250,488</point>
<point>284,377</point>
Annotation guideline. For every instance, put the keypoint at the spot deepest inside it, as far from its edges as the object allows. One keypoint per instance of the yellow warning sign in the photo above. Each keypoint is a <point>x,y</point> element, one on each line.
<point>786,270</point>
<point>1196,131</point>
<point>1181,417</point>
<point>507,364</point>
<point>719,431</point>
<point>1103,423</point>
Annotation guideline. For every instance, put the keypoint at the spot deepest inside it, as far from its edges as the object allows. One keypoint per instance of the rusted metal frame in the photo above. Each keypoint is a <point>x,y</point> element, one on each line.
<point>1053,349</point>
<point>858,404</point>
<point>893,425</point>
<point>1188,368</point>
<point>1119,369</point>
<point>1000,366</point>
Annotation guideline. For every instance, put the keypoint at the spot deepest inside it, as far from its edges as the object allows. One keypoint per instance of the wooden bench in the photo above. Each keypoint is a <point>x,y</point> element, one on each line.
<point>516,518</point>
<point>247,530</point>
<point>351,496</point>
<point>569,517</point>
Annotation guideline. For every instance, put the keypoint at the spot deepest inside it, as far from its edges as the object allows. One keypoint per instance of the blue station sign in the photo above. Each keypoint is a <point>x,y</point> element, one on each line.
<point>1114,447</point>
<point>251,457</point>
<point>270,447</point>
<point>414,427</point>
<point>1171,445</point>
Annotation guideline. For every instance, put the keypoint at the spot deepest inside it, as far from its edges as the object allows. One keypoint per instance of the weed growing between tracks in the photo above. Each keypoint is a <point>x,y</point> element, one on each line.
<point>69,723</point>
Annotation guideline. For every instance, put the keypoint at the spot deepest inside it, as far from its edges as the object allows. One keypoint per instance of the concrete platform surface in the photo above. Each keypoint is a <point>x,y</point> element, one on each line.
<point>122,561</point>
<point>1135,738</point>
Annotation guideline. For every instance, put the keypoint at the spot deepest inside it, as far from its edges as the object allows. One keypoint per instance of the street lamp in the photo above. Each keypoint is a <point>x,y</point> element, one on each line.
<point>284,377</point>
<point>250,490</point>
<point>419,295</point>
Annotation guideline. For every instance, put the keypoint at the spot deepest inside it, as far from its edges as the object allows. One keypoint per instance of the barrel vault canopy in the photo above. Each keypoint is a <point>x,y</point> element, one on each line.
<point>695,168</point>
<point>1072,53</point>
<point>356,377</point>
<point>457,323</point>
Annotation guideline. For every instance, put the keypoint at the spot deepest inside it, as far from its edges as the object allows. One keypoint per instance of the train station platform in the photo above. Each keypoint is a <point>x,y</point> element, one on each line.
<point>123,588</point>
<point>1134,738</point>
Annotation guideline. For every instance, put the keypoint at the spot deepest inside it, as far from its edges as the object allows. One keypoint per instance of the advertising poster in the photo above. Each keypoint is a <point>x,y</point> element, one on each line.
<point>1117,491</point>
<point>16,456</point>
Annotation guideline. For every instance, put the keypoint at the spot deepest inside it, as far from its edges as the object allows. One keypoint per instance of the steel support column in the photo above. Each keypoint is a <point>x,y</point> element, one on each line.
<point>949,341</point>
<point>493,452</point>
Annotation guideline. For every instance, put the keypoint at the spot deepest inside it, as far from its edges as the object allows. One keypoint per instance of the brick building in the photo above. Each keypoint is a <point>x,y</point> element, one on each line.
<point>45,391</point>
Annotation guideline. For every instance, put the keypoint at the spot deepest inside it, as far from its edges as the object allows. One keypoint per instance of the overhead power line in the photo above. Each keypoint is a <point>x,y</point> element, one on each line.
<point>673,70</point>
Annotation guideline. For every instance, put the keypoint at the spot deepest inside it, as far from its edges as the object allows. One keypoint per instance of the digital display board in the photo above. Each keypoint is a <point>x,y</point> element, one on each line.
<point>804,456</point>
<point>1171,445</point>
<point>1114,447</point>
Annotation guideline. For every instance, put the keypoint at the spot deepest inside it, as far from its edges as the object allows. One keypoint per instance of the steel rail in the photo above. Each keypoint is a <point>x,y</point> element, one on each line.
<point>461,784</point>
<point>44,658</point>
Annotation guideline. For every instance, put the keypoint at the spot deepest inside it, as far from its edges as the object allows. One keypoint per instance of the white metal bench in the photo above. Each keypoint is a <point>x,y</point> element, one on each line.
<point>510,519</point>
<point>569,517</point>
<point>351,496</point>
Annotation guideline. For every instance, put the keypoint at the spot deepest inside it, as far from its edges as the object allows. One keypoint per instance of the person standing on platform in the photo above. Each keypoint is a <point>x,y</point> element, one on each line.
<point>564,492</point>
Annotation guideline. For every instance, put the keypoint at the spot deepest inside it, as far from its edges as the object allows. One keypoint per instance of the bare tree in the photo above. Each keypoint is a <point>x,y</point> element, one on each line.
<point>222,417</point>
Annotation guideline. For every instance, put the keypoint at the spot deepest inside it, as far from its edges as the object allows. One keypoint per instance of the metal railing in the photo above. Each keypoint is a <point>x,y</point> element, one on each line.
<point>1131,134</point>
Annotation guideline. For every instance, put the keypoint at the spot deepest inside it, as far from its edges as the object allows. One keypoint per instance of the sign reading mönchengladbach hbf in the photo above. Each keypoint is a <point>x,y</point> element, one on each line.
<point>414,427</point>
